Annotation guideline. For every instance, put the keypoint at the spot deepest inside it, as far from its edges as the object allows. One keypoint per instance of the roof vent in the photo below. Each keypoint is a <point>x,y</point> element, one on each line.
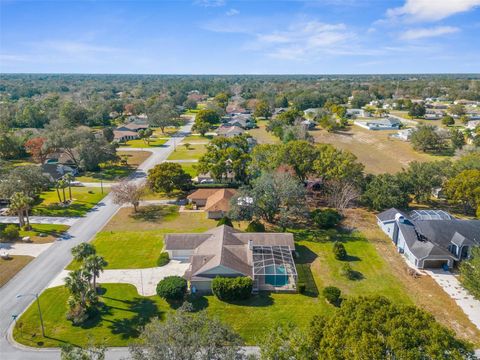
<point>400,218</point>
<point>250,244</point>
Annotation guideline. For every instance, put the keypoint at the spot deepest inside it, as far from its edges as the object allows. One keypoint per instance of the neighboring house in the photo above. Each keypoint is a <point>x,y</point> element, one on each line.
<point>430,238</point>
<point>134,126</point>
<point>404,134</point>
<point>229,131</point>
<point>223,251</point>
<point>55,171</point>
<point>278,111</point>
<point>215,202</point>
<point>208,179</point>
<point>472,124</point>
<point>122,135</point>
<point>308,124</point>
<point>389,123</point>
<point>433,115</point>
<point>357,113</point>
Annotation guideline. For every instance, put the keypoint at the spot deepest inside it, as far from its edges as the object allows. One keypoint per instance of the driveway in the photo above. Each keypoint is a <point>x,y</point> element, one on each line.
<point>33,250</point>
<point>41,220</point>
<point>450,284</point>
<point>145,280</point>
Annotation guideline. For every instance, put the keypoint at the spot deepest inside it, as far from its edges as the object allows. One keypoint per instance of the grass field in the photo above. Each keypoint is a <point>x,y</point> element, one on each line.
<point>194,152</point>
<point>262,135</point>
<point>51,232</point>
<point>375,149</point>
<point>8,268</point>
<point>192,139</point>
<point>133,241</point>
<point>139,143</point>
<point>84,199</point>
<point>190,168</point>
<point>115,172</point>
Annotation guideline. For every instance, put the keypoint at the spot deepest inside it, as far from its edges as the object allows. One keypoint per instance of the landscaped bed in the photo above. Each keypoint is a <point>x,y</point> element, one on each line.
<point>8,268</point>
<point>84,199</point>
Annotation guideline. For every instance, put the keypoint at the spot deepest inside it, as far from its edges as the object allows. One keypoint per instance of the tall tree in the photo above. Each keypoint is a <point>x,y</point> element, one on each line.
<point>385,191</point>
<point>167,176</point>
<point>21,203</point>
<point>127,192</point>
<point>37,149</point>
<point>162,114</point>
<point>464,188</point>
<point>94,264</point>
<point>470,272</point>
<point>262,109</point>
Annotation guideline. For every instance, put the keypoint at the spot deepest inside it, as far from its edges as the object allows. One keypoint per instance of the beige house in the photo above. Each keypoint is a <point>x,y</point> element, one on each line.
<point>215,202</point>
<point>227,252</point>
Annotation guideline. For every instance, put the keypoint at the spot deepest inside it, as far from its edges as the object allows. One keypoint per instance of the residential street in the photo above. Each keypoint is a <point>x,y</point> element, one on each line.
<point>38,274</point>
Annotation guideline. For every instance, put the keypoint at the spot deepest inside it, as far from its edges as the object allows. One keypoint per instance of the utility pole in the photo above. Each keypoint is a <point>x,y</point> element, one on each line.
<point>39,309</point>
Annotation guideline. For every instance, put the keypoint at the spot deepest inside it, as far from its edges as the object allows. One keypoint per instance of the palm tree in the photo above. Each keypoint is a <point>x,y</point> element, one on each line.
<point>63,184</point>
<point>21,203</point>
<point>78,283</point>
<point>94,264</point>
<point>57,187</point>
<point>68,177</point>
<point>82,251</point>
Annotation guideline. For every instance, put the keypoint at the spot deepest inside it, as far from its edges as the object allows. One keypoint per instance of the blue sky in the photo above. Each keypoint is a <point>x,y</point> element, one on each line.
<point>240,37</point>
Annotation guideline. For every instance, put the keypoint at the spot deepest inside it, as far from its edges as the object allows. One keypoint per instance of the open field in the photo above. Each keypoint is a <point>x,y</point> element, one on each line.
<point>8,268</point>
<point>190,168</point>
<point>115,172</point>
<point>262,135</point>
<point>192,139</point>
<point>84,199</point>
<point>375,149</point>
<point>194,152</point>
<point>140,143</point>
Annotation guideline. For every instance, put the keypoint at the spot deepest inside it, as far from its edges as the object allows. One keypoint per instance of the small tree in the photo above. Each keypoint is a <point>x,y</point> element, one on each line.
<point>225,221</point>
<point>94,264</point>
<point>11,232</point>
<point>339,251</point>
<point>325,219</point>
<point>332,294</point>
<point>447,120</point>
<point>21,203</point>
<point>172,288</point>
<point>127,192</point>
<point>82,251</point>
<point>347,271</point>
<point>202,127</point>
<point>108,134</point>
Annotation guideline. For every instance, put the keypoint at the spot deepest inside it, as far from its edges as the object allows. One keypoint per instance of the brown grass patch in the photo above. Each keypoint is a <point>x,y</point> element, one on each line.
<point>8,268</point>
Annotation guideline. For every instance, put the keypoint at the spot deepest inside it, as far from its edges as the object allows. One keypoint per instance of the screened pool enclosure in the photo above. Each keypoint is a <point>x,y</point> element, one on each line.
<point>274,268</point>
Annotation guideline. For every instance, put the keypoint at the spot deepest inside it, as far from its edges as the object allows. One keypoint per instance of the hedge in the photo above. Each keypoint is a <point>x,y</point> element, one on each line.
<point>238,288</point>
<point>172,288</point>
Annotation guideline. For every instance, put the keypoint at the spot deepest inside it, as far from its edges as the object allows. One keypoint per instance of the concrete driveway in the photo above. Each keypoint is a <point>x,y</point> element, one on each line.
<point>450,284</point>
<point>145,280</point>
<point>33,250</point>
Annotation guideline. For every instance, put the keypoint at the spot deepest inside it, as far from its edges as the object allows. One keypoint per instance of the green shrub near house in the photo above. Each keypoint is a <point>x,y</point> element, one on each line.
<point>163,259</point>
<point>172,288</point>
<point>332,294</point>
<point>10,233</point>
<point>231,289</point>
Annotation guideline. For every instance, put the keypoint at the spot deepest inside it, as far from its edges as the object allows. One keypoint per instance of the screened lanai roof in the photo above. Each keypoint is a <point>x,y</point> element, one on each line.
<point>273,260</point>
<point>430,215</point>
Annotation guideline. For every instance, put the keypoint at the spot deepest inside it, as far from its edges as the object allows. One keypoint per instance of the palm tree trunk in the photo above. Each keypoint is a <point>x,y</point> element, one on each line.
<point>28,219</point>
<point>94,283</point>
<point>58,194</point>
<point>70,190</point>
<point>20,218</point>
<point>64,197</point>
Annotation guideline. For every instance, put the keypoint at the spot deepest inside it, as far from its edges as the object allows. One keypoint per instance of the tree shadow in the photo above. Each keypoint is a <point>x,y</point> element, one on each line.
<point>144,310</point>
<point>351,258</point>
<point>153,213</point>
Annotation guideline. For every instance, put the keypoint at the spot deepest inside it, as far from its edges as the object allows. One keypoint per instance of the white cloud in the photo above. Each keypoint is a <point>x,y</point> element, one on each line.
<point>414,34</point>
<point>74,47</point>
<point>431,10</point>
<point>302,40</point>
<point>232,12</point>
<point>210,3</point>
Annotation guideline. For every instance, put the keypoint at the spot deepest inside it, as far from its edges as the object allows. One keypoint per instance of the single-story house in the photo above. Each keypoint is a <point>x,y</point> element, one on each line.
<point>430,238</point>
<point>404,134</point>
<point>229,131</point>
<point>472,124</point>
<point>389,123</point>
<point>215,202</point>
<point>308,124</point>
<point>279,110</point>
<point>122,134</point>
<point>267,258</point>
<point>207,178</point>
<point>55,171</point>
<point>357,113</point>
<point>134,126</point>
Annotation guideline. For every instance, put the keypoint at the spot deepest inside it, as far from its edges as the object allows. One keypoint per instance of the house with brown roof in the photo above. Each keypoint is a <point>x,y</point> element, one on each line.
<point>229,131</point>
<point>122,134</point>
<point>215,202</point>
<point>223,251</point>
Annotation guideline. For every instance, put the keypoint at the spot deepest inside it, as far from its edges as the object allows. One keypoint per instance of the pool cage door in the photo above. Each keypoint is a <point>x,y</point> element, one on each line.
<point>274,268</point>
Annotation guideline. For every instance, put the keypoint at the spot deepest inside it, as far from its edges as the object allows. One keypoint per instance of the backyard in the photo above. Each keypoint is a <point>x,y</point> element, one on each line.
<point>262,135</point>
<point>114,172</point>
<point>84,199</point>
<point>375,149</point>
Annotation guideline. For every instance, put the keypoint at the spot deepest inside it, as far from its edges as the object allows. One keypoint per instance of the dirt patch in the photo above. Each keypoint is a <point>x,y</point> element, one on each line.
<point>8,268</point>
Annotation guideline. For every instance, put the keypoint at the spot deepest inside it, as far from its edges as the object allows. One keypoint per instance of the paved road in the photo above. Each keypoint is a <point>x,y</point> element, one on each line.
<point>37,275</point>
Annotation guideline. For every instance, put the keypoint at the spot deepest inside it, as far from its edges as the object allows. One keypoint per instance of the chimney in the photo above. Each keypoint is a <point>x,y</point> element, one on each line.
<point>250,244</point>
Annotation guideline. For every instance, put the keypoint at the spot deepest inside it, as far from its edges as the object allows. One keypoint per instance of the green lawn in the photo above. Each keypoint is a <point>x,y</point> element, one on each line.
<point>134,241</point>
<point>139,143</point>
<point>84,198</point>
<point>43,233</point>
<point>114,172</point>
<point>191,139</point>
<point>190,169</point>
<point>194,152</point>
<point>262,135</point>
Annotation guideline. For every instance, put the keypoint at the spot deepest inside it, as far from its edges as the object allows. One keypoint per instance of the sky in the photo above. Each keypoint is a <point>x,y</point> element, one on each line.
<point>240,37</point>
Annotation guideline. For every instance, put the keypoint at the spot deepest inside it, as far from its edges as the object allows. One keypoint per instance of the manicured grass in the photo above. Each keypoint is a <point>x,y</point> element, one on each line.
<point>84,199</point>
<point>191,139</point>
<point>262,135</point>
<point>194,152</point>
<point>115,172</point>
<point>190,169</point>
<point>51,231</point>
<point>117,325</point>
<point>375,149</point>
<point>8,268</point>
<point>139,143</point>
<point>133,241</point>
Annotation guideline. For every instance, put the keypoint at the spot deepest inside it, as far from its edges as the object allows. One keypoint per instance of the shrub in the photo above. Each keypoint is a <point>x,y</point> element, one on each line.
<point>225,221</point>
<point>302,287</point>
<point>11,232</point>
<point>326,219</point>
<point>347,271</point>
<point>238,288</point>
<point>172,288</point>
<point>163,259</point>
<point>255,226</point>
<point>339,251</point>
<point>332,294</point>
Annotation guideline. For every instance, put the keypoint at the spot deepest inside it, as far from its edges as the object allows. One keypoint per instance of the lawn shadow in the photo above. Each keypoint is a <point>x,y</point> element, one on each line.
<point>144,310</point>
<point>350,258</point>
<point>152,213</point>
